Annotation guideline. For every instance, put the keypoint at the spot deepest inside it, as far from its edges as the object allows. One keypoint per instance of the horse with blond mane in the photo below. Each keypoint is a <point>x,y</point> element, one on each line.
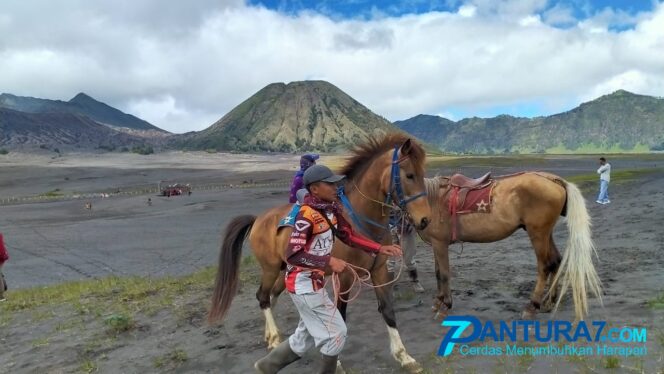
<point>532,201</point>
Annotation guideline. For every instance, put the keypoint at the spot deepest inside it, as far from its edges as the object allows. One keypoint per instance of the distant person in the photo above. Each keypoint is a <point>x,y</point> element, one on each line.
<point>404,234</point>
<point>306,161</point>
<point>604,172</point>
<point>149,201</point>
<point>3,258</point>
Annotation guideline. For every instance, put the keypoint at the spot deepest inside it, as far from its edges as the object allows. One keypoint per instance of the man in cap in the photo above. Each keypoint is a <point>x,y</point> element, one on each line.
<point>306,161</point>
<point>308,255</point>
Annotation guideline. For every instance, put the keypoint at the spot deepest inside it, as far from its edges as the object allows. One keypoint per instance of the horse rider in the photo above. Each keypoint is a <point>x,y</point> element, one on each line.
<point>308,255</point>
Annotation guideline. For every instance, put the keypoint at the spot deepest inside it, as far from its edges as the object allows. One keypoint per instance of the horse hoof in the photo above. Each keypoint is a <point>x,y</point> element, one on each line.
<point>528,314</point>
<point>441,313</point>
<point>547,307</point>
<point>273,342</point>
<point>413,367</point>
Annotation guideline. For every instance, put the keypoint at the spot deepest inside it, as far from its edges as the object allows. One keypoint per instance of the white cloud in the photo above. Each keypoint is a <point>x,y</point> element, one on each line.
<point>182,66</point>
<point>467,10</point>
<point>559,14</point>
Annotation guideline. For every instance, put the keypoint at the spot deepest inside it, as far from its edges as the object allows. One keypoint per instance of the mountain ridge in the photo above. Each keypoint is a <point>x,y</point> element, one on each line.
<point>617,122</point>
<point>81,103</point>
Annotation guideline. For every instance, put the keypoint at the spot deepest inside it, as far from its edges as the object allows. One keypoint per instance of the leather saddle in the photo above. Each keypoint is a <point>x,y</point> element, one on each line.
<point>461,187</point>
<point>462,181</point>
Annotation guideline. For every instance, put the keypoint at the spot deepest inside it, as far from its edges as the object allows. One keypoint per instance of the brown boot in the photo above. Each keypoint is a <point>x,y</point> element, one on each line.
<point>277,359</point>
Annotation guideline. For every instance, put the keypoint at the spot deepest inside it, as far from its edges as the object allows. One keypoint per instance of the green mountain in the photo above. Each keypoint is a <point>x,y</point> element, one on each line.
<point>298,116</point>
<point>619,122</point>
<point>80,104</point>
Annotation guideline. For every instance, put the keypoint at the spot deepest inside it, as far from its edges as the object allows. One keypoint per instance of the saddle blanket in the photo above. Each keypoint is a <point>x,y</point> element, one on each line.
<point>289,220</point>
<point>475,201</point>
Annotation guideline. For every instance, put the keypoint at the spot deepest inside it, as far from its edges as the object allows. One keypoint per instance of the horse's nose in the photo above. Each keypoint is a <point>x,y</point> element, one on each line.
<point>424,223</point>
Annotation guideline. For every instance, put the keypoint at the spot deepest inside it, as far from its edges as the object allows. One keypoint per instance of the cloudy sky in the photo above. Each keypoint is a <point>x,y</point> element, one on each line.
<point>183,65</point>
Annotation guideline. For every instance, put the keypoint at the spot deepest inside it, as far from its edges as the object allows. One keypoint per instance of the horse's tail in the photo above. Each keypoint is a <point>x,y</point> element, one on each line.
<point>577,269</point>
<point>225,286</point>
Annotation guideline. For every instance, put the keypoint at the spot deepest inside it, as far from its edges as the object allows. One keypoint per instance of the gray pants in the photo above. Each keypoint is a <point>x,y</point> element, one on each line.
<point>320,325</point>
<point>407,241</point>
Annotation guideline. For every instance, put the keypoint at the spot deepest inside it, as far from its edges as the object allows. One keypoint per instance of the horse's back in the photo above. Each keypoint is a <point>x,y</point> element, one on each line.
<point>268,241</point>
<point>531,194</point>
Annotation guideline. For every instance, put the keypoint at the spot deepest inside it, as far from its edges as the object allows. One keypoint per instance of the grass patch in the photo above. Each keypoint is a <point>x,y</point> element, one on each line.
<point>111,296</point>
<point>612,362</point>
<point>67,325</point>
<point>5,319</point>
<point>118,294</point>
<point>43,342</point>
<point>174,358</point>
<point>589,181</point>
<point>657,302</point>
<point>42,315</point>
<point>52,193</point>
<point>119,323</point>
<point>88,366</point>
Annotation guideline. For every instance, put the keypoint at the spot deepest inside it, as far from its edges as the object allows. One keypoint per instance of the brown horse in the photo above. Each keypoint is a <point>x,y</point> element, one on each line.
<point>375,173</point>
<point>532,201</point>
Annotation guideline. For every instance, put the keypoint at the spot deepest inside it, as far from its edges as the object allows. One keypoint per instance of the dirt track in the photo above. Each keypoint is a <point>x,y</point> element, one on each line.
<point>53,242</point>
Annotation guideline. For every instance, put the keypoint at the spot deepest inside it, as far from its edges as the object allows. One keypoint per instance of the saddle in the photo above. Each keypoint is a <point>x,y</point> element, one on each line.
<point>467,195</point>
<point>462,181</point>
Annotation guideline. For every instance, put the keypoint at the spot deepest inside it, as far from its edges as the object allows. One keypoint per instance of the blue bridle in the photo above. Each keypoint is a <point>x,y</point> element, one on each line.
<point>395,188</point>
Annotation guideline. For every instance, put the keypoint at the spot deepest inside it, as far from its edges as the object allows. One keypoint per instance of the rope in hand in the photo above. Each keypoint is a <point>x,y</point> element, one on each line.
<point>359,280</point>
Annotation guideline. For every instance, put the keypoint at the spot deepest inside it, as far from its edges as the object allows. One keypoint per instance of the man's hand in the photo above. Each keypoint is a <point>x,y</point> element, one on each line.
<point>337,265</point>
<point>391,250</point>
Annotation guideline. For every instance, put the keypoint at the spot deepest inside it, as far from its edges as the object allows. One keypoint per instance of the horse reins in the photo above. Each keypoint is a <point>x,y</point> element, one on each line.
<point>395,188</point>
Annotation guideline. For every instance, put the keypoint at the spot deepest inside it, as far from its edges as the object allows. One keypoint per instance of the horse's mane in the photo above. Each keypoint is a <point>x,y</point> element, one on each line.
<point>434,191</point>
<point>363,154</point>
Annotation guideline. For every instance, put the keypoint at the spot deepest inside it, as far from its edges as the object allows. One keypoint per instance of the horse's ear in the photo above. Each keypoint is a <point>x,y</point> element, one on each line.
<point>406,148</point>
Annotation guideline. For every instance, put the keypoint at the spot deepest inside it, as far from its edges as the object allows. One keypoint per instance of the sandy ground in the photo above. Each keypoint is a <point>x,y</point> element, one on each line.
<point>58,241</point>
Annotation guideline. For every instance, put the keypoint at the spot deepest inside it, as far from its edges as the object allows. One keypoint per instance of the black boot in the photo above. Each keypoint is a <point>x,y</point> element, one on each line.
<point>329,365</point>
<point>279,358</point>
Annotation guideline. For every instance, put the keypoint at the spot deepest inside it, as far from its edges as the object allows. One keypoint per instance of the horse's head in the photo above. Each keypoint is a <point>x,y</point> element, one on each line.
<point>391,170</point>
<point>403,181</point>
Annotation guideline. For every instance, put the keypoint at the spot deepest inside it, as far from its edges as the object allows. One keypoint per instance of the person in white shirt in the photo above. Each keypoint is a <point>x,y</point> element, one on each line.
<point>604,172</point>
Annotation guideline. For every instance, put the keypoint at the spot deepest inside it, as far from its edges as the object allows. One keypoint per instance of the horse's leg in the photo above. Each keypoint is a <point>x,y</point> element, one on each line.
<point>277,289</point>
<point>552,269</point>
<point>443,301</point>
<point>268,279</point>
<point>540,239</point>
<point>385,298</point>
<point>345,282</point>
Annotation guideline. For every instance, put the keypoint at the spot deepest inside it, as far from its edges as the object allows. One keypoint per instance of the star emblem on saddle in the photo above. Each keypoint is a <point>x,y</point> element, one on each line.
<point>481,206</point>
<point>288,220</point>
